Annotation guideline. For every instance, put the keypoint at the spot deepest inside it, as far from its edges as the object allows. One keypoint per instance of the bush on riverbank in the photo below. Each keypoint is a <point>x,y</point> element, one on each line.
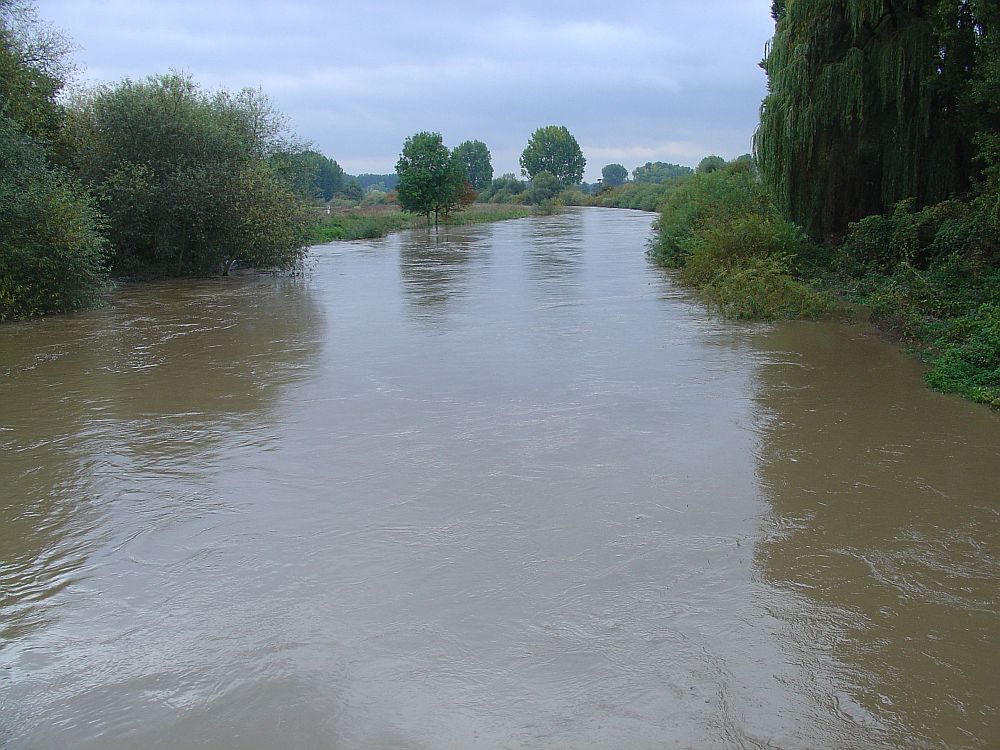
<point>185,177</point>
<point>724,234</point>
<point>642,196</point>
<point>52,257</point>
<point>931,277</point>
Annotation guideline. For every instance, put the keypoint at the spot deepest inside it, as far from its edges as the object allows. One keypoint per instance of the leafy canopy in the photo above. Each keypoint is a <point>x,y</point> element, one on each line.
<point>659,172</point>
<point>553,149</point>
<point>431,180</point>
<point>310,174</point>
<point>870,102</point>
<point>475,160</point>
<point>614,174</point>
<point>52,257</point>
<point>186,178</point>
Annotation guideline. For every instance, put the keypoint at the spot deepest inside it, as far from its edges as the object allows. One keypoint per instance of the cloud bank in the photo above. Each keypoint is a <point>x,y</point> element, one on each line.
<point>633,81</point>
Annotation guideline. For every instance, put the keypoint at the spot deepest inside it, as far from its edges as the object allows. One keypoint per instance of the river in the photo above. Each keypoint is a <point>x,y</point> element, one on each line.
<point>502,486</point>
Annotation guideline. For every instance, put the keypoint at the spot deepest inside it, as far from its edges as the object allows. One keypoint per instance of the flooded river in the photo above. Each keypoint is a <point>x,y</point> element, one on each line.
<point>501,487</point>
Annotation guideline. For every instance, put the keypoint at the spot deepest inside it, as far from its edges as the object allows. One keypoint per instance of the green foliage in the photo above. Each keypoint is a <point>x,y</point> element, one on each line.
<point>504,189</point>
<point>971,364</point>
<point>644,196</point>
<point>186,178</point>
<point>553,149</point>
<point>736,240</point>
<point>52,257</point>
<point>352,191</point>
<point>309,174</point>
<point>573,196</point>
<point>721,229</point>
<point>475,160</point>
<point>33,70</point>
<point>357,225</point>
<point>658,172</point>
<point>762,289</point>
<point>543,186</point>
<point>711,163</point>
<point>385,182</point>
<point>613,174</point>
<point>705,199</point>
<point>431,180</point>
<point>363,226</point>
<point>917,238</point>
<point>872,102</point>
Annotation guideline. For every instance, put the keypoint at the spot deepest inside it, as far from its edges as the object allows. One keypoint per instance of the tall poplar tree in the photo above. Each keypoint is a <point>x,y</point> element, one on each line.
<point>865,105</point>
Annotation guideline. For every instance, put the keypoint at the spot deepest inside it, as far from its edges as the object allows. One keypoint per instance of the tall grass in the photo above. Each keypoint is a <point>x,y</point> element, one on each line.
<point>378,221</point>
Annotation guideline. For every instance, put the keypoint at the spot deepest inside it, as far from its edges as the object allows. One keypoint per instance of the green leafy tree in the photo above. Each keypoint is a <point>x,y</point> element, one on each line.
<point>475,160</point>
<point>614,174</point>
<point>182,174</point>
<point>503,189</point>
<point>381,181</point>
<point>659,172</point>
<point>865,105</point>
<point>353,190</point>
<point>544,186</point>
<point>52,256</point>
<point>33,70</point>
<point>310,174</point>
<point>431,180</point>
<point>710,164</point>
<point>553,149</point>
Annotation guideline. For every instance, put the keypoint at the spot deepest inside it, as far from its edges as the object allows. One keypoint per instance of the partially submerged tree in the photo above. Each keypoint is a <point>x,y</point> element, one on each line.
<point>553,149</point>
<point>52,257</point>
<point>186,178</point>
<point>431,180</point>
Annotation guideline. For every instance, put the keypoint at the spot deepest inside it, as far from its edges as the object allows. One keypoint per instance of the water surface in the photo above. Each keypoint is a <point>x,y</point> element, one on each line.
<point>504,486</point>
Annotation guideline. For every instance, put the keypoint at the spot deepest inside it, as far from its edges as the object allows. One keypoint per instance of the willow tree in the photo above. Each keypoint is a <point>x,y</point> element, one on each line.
<point>863,105</point>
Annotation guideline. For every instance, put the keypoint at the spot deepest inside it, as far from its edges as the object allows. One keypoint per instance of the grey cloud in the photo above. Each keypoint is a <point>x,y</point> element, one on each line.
<point>634,81</point>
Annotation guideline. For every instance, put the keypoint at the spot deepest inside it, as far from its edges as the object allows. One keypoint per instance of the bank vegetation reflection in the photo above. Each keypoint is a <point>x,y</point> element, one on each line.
<point>883,539</point>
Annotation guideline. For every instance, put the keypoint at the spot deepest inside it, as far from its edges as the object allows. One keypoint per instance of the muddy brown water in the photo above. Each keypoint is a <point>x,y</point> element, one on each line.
<point>505,486</point>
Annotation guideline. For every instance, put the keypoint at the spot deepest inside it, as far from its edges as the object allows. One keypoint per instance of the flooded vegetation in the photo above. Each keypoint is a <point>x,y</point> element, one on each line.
<point>503,485</point>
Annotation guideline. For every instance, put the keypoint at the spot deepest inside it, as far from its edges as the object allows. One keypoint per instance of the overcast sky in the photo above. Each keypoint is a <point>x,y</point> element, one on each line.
<point>667,80</point>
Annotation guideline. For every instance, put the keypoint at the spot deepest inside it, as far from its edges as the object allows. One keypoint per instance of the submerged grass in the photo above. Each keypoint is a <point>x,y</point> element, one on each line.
<point>378,221</point>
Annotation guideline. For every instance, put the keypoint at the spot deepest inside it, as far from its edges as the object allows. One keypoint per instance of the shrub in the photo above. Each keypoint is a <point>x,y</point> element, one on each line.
<point>971,365</point>
<point>52,258</point>
<point>705,199</point>
<point>544,186</point>
<point>761,288</point>
<point>917,238</point>
<point>737,241</point>
<point>185,177</point>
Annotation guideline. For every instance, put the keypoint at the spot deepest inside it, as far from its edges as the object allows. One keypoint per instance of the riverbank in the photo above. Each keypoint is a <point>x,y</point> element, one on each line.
<point>370,222</point>
<point>930,277</point>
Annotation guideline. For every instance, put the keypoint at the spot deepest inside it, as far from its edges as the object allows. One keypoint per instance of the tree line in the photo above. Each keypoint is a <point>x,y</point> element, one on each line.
<point>436,181</point>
